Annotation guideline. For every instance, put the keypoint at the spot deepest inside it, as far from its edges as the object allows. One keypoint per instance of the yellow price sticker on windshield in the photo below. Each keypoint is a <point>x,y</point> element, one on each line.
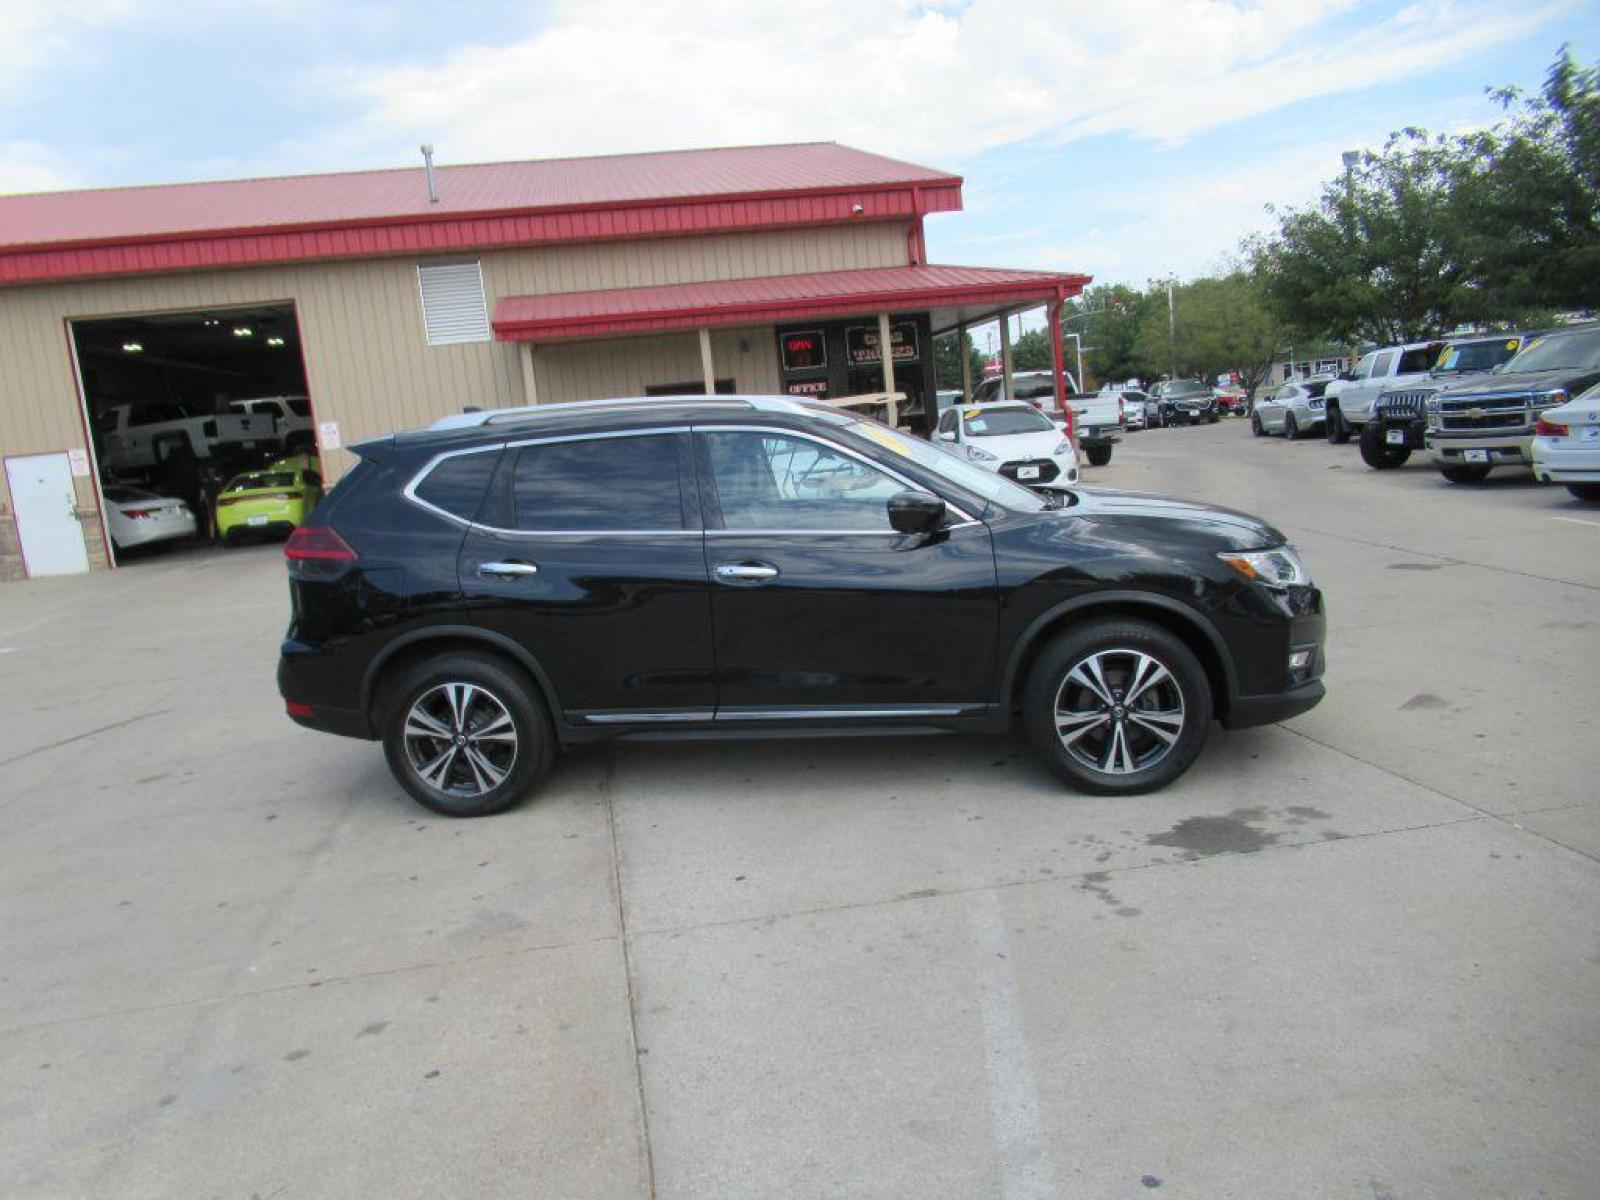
<point>972,413</point>
<point>887,438</point>
<point>1513,344</point>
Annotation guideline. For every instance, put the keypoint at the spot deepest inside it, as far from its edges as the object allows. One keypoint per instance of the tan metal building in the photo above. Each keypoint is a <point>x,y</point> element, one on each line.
<point>393,298</point>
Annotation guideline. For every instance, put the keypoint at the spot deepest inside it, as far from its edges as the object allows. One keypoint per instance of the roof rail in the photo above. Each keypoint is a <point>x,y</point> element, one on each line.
<point>487,416</point>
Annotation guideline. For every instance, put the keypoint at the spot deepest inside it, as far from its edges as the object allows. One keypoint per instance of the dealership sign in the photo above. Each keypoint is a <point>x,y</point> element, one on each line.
<point>861,343</point>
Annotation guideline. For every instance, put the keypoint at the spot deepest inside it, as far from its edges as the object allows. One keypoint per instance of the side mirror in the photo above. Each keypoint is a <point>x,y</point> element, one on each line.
<point>947,435</point>
<point>1061,425</point>
<point>915,512</point>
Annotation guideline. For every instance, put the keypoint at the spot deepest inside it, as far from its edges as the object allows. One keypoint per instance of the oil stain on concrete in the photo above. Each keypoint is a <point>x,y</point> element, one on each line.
<point>1201,837</point>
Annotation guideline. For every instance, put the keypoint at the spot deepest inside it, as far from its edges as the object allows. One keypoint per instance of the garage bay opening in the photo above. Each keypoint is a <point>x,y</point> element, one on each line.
<point>188,413</point>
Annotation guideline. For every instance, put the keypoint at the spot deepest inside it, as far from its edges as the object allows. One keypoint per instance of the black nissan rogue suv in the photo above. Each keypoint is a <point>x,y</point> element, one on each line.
<point>480,593</point>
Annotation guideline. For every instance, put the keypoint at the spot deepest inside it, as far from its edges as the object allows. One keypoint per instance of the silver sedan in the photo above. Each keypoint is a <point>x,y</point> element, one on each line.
<point>1294,410</point>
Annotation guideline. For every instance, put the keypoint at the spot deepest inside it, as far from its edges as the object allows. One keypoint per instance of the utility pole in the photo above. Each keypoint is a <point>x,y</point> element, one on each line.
<point>1172,330</point>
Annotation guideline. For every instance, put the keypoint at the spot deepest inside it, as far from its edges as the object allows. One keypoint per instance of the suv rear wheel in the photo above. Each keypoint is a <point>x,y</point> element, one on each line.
<point>1099,456</point>
<point>466,734</point>
<point>1117,707</point>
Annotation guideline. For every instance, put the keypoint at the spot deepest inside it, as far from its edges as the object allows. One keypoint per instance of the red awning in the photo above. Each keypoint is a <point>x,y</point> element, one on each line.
<point>953,294</point>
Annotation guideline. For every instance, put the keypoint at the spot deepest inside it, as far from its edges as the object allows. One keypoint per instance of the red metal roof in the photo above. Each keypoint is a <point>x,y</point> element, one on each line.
<point>617,311</point>
<point>241,222</point>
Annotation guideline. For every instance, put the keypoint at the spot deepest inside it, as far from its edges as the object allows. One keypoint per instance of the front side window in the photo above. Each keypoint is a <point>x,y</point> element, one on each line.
<point>599,485</point>
<point>778,482</point>
<point>1364,367</point>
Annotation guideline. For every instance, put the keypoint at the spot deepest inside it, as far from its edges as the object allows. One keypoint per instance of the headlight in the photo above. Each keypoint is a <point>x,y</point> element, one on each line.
<point>1064,448</point>
<point>977,455</point>
<point>1277,568</point>
<point>1549,399</point>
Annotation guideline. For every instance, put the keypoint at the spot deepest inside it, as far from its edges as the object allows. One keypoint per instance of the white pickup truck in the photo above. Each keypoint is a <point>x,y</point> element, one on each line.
<point>1097,417</point>
<point>291,418</point>
<point>134,437</point>
<point>1349,399</point>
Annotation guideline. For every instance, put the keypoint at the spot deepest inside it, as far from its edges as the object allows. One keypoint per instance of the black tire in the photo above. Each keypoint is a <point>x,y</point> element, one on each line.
<point>1256,427</point>
<point>495,694</point>
<point>1291,428</point>
<point>1379,455</point>
<point>1117,644</point>
<point>1473,474</point>
<point>1099,456</point>
<point>1337,429</point>
<point>1585,491</point>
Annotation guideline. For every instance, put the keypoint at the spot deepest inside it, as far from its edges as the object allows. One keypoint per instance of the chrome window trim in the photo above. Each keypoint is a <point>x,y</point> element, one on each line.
<point>410,490</point>
<point>782,431</point>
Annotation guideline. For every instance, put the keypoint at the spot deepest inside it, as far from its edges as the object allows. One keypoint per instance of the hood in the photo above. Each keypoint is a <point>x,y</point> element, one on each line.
<point>1010,446</point>
<point>1521,381</point>
<point>1159,520</point>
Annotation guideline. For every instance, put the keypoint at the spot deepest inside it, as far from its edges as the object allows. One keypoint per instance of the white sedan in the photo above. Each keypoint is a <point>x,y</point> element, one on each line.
<point>138,518</point>
<point>1013,439</point>
<point>1566,445</point>
<point>1294,410</point>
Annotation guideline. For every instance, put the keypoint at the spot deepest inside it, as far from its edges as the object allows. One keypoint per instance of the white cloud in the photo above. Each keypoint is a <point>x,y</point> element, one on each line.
<point>935,83</point>
<point>29,167</point>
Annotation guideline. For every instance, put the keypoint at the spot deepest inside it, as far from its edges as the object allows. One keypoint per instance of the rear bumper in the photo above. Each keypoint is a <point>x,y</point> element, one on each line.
<point>1565,460</point>
<point>1246,711</point>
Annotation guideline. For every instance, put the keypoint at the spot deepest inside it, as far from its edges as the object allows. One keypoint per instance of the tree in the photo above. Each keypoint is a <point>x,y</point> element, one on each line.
<point>947,351</point>
<point>1032,352</point>
<point>1382,256</point>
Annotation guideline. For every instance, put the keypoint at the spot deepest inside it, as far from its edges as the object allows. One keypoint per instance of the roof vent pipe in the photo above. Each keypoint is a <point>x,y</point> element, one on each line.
<point>427,162</point>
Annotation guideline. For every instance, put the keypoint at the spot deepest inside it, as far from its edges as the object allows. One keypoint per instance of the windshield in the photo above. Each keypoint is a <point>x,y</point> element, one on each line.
<point>945,463</point>
<point>1001,422</point>
<point>1576,351</point>
<point>1464,358</point>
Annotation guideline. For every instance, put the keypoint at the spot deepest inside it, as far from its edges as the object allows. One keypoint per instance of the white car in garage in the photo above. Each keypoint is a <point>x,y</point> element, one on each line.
<point>1011,438</point>
<point>138,518</point>
<point>1566,445</point>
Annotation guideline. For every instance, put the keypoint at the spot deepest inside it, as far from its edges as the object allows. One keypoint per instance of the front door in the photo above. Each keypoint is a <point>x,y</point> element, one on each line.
<point>588,554</point>
<point>47,516</point>
<point>818,604</point>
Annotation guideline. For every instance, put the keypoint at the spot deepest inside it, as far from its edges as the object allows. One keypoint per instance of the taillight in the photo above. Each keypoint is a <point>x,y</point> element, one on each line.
<point>318,543</point>
<point>1550,429</point>
<point>137,513</point>
<point>296,709</point>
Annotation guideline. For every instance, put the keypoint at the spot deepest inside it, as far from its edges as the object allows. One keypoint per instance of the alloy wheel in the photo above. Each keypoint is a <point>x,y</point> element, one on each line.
<point>1119,711</point>
<point>460,739</point>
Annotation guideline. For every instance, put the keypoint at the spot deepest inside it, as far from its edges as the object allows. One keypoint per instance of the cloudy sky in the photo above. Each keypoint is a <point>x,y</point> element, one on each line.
<point>1129,139</point>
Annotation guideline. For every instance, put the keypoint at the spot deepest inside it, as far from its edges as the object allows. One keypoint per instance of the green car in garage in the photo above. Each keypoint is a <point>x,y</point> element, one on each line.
<point>272,500</point>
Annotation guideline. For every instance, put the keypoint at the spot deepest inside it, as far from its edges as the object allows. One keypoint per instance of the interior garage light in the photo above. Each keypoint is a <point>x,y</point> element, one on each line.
<point>243,331</point>
<point>274,341</point>
<point>132,347</point>
<point>211,321</point>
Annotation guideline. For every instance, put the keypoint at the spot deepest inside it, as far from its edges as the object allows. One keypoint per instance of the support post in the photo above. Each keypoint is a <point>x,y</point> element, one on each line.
<point>886,352</point>
<point>1005,356</point>
<point>1058,354</point>
<point>966,364</point>
<point>530,384</point>
<point>708,366</point>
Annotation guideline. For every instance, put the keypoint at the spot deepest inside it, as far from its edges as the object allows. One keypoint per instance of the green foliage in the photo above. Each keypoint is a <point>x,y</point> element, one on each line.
<point>1032,352</point>
<point>947,360</point>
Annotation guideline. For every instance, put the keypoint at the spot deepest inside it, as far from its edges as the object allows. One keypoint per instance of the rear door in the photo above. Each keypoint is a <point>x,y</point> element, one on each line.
<point>817,604</point>
<point>588,553</point>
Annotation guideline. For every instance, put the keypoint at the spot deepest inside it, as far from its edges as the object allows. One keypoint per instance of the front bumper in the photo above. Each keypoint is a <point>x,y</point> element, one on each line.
<point>1566,460</point>
<point>1246,711</point>
<point>1502,449</point>
<point>1412,430</point>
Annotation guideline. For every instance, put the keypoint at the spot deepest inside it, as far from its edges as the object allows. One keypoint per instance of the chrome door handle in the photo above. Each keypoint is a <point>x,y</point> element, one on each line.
<point>506,570</point>
<point>745,572</point>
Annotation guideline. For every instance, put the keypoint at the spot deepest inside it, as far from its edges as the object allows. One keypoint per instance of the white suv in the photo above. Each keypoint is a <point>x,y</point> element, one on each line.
<point>1011,438</point>
<point>1349,400</point>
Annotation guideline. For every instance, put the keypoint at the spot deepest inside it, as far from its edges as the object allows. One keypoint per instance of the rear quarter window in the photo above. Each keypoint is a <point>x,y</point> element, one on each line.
<point>457,484</point>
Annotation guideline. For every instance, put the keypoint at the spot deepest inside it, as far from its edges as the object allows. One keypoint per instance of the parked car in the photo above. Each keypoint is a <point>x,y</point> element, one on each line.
<point>1231,399</point>
<point>270,501</point>
<point>291,417</point>
<point>1185,402</point>
<point>1294,409</point>
<point>1013,439</point>
<point>993,388</point>
<point>1097,420</point>
<point>479,595</point>
<point>1134,413</point>
<point>1479,424</point>
<point>138,518</point>
<point>1566,445</point>
<point>1399,417</point>
<point>1348,402</point>
<point>139,436</point>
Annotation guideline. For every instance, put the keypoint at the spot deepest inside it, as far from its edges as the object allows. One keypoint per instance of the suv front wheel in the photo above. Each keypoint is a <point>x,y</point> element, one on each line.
<point>1117,707</point>
<point>466,734</point>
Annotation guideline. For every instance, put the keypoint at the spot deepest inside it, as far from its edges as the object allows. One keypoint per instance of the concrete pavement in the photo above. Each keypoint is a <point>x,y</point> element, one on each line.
<point>1357,955</point>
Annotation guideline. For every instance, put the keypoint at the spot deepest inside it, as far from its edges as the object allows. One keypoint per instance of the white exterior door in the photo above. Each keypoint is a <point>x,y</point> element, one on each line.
<point>47,523</point>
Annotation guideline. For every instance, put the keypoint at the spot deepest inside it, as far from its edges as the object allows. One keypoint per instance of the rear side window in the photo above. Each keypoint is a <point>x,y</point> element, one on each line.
<point>1414,362</point>
<point>599,485</point>
<point>457,484</point>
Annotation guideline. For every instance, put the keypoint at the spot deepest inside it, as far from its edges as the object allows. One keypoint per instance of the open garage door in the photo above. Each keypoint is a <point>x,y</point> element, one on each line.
<point>181,406</point>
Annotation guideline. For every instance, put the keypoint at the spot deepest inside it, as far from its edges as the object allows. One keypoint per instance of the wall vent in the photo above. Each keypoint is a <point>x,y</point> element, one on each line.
<point>454,309</point>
